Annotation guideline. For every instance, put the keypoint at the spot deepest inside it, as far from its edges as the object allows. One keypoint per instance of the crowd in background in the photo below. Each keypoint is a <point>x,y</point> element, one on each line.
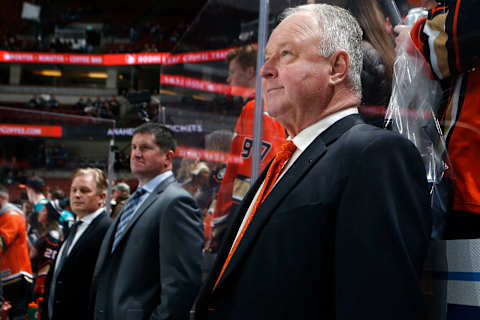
<point>129,36</point>
<point>99,107</point>
<point>47,215</point>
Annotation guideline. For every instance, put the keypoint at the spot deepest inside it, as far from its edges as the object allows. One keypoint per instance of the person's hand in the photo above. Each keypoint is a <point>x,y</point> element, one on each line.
<point>403,40</point>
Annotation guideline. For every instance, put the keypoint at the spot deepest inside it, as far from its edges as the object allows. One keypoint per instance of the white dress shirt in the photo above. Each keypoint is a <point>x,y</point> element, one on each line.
<point>151,185</point>
<point>80,230</point>
<point>302,140</point>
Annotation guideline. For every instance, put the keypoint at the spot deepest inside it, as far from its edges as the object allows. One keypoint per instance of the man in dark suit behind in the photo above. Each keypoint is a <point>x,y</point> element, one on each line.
<point>344,231</point>
<point>68,282</point>
<point>149,266</point>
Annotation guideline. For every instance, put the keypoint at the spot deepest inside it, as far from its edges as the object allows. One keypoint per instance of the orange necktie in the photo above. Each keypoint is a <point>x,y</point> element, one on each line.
<point>282,156</point>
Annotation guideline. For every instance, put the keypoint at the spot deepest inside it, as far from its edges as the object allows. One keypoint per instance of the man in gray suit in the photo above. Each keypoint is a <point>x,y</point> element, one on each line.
<point>149,262</point>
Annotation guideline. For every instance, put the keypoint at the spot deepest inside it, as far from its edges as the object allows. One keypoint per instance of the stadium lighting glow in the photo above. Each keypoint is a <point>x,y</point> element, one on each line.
<point>49,73</point>
<point>97,75</point>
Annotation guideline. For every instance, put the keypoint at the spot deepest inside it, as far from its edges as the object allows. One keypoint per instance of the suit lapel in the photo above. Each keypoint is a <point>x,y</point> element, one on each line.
<point>85,235</point>
<point>314,152</point>
<point>150,199</point>
<point>105,247</point>
<point>229,237</point>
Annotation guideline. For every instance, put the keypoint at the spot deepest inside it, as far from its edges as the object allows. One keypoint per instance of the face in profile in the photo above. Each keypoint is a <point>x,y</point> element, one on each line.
<point>294,76</point>
<point>237,75</point>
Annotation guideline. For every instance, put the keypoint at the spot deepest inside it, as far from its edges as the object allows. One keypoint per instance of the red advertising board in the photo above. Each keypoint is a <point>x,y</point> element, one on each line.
<point>203,85</point>
<point>7,129</point>
<point>207,155</point>
<point>112,59</point>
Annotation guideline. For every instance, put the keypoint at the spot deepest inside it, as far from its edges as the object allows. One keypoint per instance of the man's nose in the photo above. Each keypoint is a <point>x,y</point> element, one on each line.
<point>136,153</point>
<point>268,71</point>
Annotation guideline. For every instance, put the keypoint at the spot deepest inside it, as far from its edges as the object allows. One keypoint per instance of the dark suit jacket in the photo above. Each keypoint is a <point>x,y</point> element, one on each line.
<point>155,270</point>
<point>343,235</point>
<point>75,277</point>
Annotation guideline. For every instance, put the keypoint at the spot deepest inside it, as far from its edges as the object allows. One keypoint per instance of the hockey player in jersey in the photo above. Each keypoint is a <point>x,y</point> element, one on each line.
<point>15,264</point>
<point>236,182</point>
<point>449,40</point>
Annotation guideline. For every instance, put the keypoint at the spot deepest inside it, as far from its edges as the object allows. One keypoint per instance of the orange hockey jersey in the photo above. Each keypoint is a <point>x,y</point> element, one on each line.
<point>449,40</point>
<point>236,181</point>
<point>14,259</point>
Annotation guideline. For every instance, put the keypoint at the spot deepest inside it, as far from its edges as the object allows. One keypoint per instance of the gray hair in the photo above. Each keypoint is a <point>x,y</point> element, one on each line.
<point>342,32</point>
<point>122,187</point>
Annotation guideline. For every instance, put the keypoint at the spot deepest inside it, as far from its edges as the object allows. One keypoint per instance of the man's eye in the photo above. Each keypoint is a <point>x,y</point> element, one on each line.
<point>285,53</point>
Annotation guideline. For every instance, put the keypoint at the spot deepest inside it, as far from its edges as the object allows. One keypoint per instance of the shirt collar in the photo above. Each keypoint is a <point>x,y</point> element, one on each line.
<point>90,217</point>
<point>152,184</point>
<point>303,139</point>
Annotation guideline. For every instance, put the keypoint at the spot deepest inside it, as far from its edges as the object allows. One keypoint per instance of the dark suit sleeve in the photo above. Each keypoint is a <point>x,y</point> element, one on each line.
<point>181,242</point>
<point>383,227</point>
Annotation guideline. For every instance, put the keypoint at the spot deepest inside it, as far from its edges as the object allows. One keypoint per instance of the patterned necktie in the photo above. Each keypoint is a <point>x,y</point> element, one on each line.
<point>63,257</point>
<point>126,214</point>
<point>282,156</point>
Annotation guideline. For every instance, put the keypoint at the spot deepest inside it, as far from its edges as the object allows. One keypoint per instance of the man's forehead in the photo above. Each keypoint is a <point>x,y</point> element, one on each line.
<point>84,177</point>
<point>298,26</point>
<point>143,136</point>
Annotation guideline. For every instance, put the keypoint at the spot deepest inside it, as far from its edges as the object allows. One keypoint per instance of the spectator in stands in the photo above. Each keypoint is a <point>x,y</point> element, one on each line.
<point>69,280</point>
<point>16,270</point>
<point>114,106</point>
<point>35,188</point>
<point>45,249</point>
<point>27,209</point>
<point>52,103</point>
<point>90,109</point>
<point>79,105</point>
<point>104,110</point>
<point>133,34</point>
<point>120,194</point>
<point>242,64</point>
<point>216,141</point>
<point>198,178</point>
<point>149,262</point>
<point>60,202</point>
<point>34,102</point>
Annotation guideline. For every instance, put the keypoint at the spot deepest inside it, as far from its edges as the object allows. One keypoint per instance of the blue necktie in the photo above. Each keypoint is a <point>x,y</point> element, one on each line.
<point>127,214</point>
<point>63,257</point>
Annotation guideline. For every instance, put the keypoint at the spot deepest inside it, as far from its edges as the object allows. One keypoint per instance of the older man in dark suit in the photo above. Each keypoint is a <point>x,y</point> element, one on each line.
<point>149,265</point>
<point>68,282</point>
<point>338,225</point>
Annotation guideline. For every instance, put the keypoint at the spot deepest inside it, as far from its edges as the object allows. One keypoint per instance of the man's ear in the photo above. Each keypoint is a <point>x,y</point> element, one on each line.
<point>251,72</point>
<point>170,155</point>
<point>103,196</point>
<point>340,64</point>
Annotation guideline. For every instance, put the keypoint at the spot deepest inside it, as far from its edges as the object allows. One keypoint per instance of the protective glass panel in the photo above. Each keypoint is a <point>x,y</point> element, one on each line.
<point>50,144</point>
<point>207,95</point>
